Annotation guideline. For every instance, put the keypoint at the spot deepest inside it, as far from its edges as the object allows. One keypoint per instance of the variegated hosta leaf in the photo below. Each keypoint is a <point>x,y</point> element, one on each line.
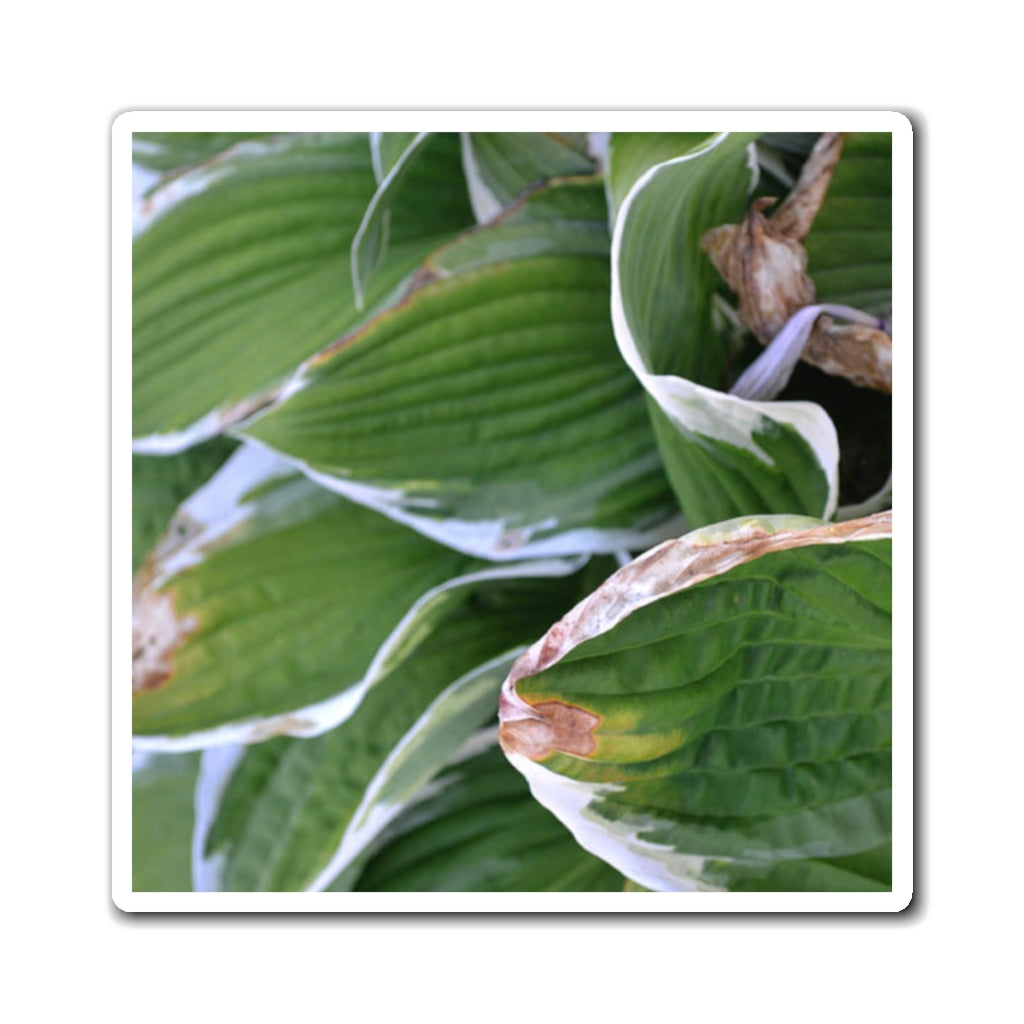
<point>292,814</point>
<point>387,148</point>
<point>421,200</point>
<point>271,606</point>
<point>242,269</point>
<point>725,456</point>
<point>716,715</point>
<point>500,166</point>
<point>630,154</point>
<point>479,830</point>
<point>163,788</point>
<point>490,409</point>
<point>161,484</point>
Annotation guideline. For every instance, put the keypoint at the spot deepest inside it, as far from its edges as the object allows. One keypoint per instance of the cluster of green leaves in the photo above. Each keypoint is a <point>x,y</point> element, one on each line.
<point>409,410</point>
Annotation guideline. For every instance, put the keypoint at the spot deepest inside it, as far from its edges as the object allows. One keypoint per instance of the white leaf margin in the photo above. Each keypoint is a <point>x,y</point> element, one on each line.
<point>403,779</point>
<point>484,203</point>
<point>488,538</point>
<point>661,572</point>
<point>215,510</point>
<point>694,408</point>
<point>155,193</point>
<point>377,218</point>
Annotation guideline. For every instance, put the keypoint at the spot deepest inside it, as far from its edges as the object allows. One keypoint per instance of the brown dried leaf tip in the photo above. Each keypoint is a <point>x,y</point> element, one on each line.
<point>157,633</point>
<point>546,728</point>
<point>763,261</point>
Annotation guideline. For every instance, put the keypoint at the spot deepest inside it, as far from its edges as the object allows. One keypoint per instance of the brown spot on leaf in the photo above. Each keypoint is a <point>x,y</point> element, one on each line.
<point>157,633</point>
<point>550,727</point>
<point>675,565</point>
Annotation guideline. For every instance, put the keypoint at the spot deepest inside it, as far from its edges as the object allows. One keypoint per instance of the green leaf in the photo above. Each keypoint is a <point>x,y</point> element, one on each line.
<point>387,148</point>
<point>480,831</point>
<point>160,485</point>
<point>500,166</point>
<point>490,409</point>
<point>725,456</point>
<point>162,820</point>
<point>292,814</point>
<point>420,201</point>
<point>241,271</point>
<point>631,154</point>
<point>716,715</point>
<point>271,606</point>
<point>167,152</point>
<point>849,249</point>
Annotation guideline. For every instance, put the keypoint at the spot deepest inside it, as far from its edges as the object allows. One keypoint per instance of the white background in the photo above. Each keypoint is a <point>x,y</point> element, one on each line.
<point>67,72</point>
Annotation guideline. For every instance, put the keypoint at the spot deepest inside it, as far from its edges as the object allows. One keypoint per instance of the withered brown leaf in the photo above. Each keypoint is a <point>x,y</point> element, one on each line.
<point>764,262</point>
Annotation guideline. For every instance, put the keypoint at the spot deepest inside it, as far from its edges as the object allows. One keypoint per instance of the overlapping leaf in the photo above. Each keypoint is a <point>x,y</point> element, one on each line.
<point>421,200</point>
<point>292,814</point>
<point>272,605</point>
<point>243,269</point>
<point>490,409</point>
<point>725,456</point>
<point>716,715</point>
<point>481,831</point>
<point>387,148</point>
<point>500,166</point>
<point>631,154</point>
<point>171,152</point>
<point>160,485</point>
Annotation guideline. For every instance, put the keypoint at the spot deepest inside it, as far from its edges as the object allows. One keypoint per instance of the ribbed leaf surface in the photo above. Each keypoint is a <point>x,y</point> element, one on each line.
<point>271,606</point>
<point>244,270</point>
<point>849,249</point>
<point>294,813</point>
<point>490,409</point>
<point>483,832</point>
<point>266,596</point>
<point>499,166</point>
<point>630,154</point>
<point>420,201</point>
<point>717,714</point>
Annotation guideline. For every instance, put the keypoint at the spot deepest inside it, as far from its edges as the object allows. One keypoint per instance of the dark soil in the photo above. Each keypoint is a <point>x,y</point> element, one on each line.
<point>863,419</point>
